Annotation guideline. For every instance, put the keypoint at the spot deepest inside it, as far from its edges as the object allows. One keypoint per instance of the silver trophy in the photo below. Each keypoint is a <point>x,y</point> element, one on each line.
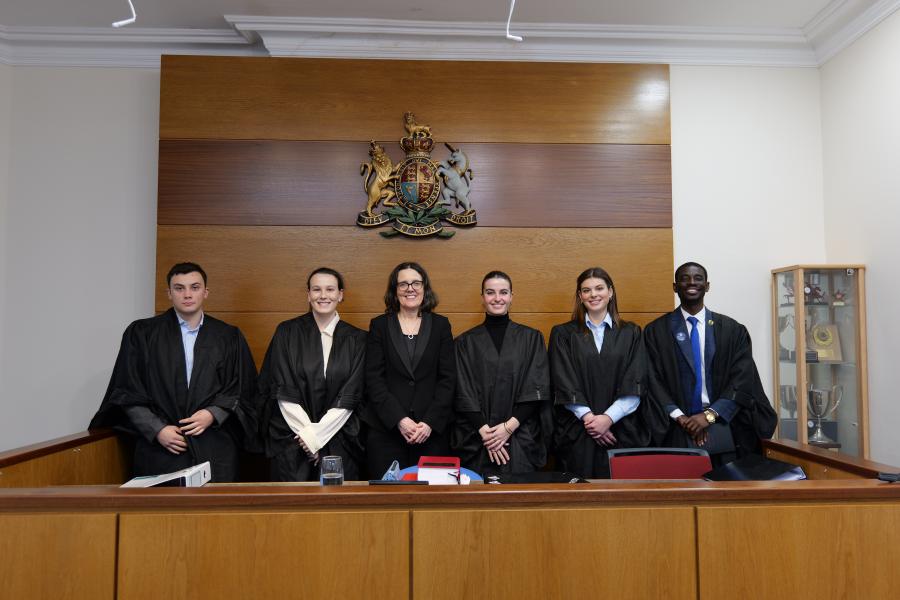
<point>789,399</point>
<point>822,403</point>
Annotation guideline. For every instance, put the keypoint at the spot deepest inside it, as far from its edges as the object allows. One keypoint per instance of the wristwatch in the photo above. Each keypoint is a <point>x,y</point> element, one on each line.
<point>710,415</point>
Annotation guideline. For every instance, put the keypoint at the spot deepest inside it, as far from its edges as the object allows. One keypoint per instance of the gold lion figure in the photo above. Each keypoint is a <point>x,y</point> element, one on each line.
<point>378,175</point>
<point>413,129</point>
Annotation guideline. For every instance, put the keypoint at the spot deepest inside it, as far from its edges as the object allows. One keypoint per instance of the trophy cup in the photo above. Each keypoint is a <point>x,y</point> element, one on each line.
<point>789,399</point>
<point>821,404</point>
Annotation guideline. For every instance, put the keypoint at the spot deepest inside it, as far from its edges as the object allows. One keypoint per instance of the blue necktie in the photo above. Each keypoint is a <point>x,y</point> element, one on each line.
<point>697,396</point>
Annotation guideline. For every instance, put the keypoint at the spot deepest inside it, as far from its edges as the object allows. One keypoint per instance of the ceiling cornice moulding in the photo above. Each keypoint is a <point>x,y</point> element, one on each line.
<point>382,38</point>
<point>107,47</point>
<point>835,27</point>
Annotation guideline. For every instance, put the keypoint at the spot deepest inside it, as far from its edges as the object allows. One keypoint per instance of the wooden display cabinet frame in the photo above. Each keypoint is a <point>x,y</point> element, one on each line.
<point>862,391</point>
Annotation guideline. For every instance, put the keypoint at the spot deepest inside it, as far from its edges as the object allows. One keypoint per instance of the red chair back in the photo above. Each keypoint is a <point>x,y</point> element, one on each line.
<point>659,463</point>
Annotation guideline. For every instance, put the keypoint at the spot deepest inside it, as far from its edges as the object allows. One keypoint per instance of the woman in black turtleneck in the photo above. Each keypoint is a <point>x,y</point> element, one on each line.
<point>503,389</point>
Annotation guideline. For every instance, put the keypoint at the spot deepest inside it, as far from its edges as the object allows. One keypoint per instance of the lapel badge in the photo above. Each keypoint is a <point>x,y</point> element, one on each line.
<point>417,193</point>
<point>710,322</point>
<point>680,336</point>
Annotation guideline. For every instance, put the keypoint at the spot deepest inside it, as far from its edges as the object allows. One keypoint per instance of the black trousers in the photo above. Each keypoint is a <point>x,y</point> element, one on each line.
<point>384,447</point>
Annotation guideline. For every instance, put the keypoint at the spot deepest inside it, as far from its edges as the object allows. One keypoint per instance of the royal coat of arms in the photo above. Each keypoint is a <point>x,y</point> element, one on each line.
<point>416,195</point>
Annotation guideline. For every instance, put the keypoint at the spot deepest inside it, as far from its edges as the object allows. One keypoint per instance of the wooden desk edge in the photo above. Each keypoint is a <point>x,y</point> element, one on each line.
<point>30,452</point>
<point>850,464</point>
<point>595,495</point>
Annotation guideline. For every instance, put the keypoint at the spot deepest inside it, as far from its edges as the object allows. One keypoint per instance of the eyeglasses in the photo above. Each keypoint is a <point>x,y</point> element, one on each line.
<point>405,285</point>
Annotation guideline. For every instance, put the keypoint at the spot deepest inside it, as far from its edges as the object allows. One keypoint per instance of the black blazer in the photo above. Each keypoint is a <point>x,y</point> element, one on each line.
<point>396,387</point>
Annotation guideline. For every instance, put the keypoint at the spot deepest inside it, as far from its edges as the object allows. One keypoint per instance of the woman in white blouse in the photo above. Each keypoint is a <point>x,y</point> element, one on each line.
<point>311,384</point>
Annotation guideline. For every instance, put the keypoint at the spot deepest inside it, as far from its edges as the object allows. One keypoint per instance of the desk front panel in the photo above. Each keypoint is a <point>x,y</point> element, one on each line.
<point>274,555</point>
<point>799,551</point>
<point>589,553</point>
<point>62,556</point>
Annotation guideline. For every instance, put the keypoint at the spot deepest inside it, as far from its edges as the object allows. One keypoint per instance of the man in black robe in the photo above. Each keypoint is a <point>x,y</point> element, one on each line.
<point>181,385</point>
<point>503,401</point>
<point>702,375</point>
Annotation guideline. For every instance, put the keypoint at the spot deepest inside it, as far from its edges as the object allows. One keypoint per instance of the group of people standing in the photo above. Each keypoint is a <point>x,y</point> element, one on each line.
<point>184,383</point>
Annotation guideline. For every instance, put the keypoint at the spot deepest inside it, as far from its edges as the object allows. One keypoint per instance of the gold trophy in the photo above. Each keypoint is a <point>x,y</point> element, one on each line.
<point>822,403</point>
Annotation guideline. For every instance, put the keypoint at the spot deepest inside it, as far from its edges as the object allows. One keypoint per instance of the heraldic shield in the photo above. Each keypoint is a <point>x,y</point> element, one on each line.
<point>417,193</point>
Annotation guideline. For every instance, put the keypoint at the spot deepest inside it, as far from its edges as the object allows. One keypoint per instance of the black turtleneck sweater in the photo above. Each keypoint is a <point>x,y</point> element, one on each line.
<point>496,327</point>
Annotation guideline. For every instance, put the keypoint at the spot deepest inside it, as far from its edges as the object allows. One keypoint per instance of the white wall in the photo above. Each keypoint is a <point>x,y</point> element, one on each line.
<point>79,243</point>
<point>861,136</point>
<point>5,121</point>
<point>746,184</point>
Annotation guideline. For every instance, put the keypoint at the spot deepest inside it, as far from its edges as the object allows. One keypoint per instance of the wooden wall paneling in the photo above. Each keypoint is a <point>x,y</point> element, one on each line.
<point>258,328</point>
<point>97,463</point>
<point>798,551</point>
<point>562,553</point>
<point>264,269</point>
<point>208,97</point>
<point>58,556</point>
<point>318,183</point>
<point>264,555</point>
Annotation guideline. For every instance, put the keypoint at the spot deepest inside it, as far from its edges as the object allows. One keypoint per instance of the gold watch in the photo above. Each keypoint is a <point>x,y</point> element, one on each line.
<point>710,415</point>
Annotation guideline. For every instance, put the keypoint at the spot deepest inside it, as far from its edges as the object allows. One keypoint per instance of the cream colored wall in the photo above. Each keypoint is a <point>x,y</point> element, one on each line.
<point>861,134</point>
<point>5,121</point>
<point>80,234</point>
<point>746,184</point>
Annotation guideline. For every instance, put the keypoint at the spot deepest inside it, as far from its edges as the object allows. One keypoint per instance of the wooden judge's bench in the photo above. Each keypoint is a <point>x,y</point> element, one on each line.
<point>67,531</point>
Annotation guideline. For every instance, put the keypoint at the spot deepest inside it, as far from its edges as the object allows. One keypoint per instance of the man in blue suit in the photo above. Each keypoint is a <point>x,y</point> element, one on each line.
<point>702,376</point>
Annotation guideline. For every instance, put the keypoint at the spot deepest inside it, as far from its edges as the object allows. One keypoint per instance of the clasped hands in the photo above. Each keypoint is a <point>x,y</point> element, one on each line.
<point>172,437</point>
<point>312,456</point>
<point>695,426</point>
<point>414,433</point>
<point>496,439</point>
<point>599,427</point>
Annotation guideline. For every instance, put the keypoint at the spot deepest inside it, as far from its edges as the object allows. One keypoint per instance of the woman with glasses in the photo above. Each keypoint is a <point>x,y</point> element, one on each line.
<point>311,384</point>
<point>597,367</point>
<point>410,374</point>
<point>503,422</point>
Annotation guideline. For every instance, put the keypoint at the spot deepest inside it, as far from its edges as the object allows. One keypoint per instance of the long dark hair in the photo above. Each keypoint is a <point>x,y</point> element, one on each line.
<point>429,299</point>
<point>612,308</point>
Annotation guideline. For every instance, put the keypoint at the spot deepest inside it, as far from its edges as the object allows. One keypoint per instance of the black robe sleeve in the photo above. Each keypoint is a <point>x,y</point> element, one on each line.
<point>246,430</point>
<point>567,385</point>
<point>127,405</point>
<point>349,370</point>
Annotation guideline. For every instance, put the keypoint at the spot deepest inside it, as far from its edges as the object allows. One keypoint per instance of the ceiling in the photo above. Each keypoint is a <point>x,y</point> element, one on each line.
<point>764,32</point>
<point>208,14</point>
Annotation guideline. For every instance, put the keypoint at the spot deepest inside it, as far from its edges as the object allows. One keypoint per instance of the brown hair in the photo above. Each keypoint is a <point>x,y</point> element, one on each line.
<point>496,275</point>
<point>578,311</point>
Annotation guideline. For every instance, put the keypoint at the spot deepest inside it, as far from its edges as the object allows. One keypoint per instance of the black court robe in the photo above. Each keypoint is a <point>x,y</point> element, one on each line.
<point>493,385</point>
<point>148,390</point>
<point>730,372</point>
<point>581,375</point>
<point>293,371</point>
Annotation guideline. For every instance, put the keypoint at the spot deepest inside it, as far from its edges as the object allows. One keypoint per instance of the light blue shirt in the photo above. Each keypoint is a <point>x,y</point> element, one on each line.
<point>188,339</point>
<point>623,406</point>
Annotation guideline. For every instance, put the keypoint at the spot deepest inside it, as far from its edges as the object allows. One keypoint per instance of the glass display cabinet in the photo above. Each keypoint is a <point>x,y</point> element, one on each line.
<point>819,353</point>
